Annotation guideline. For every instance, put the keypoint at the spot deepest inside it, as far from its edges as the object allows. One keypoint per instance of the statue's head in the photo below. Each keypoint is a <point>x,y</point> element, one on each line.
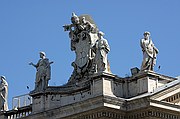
<point>3,78</point>
<point>100,33</point>
<point>146,34</point>
<point>83,20</point>
<point>42,54</point>
<point>74,18</point>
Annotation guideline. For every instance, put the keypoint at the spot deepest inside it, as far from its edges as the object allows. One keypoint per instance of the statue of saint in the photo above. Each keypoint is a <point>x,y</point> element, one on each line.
<point>149,52</point>
<point>101,48</point>
<point>43,73</point>
<point>3,94</point>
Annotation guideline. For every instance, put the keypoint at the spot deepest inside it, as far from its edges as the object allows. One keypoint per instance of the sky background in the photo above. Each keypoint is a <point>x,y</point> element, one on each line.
<point>30,26</point>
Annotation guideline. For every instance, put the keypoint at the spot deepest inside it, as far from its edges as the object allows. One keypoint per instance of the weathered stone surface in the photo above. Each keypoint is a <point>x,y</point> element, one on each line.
<point>104,93</point>
<point>107,96</point>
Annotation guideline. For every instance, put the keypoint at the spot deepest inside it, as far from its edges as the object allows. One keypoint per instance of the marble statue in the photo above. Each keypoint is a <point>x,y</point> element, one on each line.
<point>3,94</point>
<point>43,73</point>
<point>83,33</point>
<point>102,48</point>
<point>149,52</point>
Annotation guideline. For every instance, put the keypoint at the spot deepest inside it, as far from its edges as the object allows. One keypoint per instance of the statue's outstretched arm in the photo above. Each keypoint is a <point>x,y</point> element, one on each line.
<point>32,64</point>
<point>67,27</point>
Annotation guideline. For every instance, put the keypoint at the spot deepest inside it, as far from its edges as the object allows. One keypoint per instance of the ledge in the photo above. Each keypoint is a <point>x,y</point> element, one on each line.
<point>143,74</point>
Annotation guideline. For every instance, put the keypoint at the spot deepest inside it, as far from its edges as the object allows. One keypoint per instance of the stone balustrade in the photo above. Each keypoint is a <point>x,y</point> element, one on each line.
<point>17,113</point>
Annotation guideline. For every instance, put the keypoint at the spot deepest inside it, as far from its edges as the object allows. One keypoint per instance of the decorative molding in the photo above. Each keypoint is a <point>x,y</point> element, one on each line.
<point>96,115</point>
<point>152,113</point>
<point>172,98</point>
<point>128,115</point>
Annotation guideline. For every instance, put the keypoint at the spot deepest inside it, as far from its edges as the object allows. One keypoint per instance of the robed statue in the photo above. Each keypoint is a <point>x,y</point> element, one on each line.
<point>43,73</point>
<point>101,50</point>
<point>149,52</point>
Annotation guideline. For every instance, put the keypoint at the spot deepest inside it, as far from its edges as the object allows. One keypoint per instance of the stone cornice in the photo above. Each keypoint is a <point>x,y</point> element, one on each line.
<point>152,112</point>
<point>143,74</point>
<point>61,90</point>
<point>166,90</point>
<point>165,105</point>
<point>109,76</point>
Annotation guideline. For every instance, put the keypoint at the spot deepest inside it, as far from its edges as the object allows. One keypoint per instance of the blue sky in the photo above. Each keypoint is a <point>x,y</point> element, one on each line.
<point>30,26</point>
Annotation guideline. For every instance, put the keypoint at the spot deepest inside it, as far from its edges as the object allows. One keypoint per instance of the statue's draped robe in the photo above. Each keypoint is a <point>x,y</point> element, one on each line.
<point>149,54</point>
<point>102,48</point>
<point>43,73</point>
